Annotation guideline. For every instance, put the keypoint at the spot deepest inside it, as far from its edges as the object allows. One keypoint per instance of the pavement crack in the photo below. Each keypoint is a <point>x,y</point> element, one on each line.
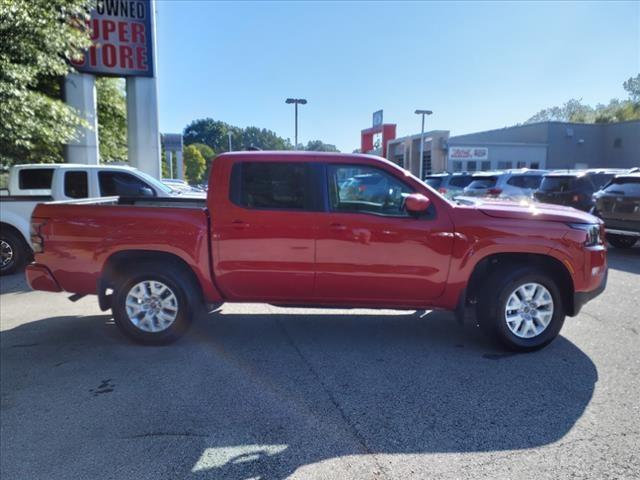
<point>351,426</point>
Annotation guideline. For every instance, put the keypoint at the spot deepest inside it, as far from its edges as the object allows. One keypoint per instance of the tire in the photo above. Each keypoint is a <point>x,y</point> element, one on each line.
<point>156,294</point>
<point>14,251</point>
<point>547,316</point>
<point>621,241</point>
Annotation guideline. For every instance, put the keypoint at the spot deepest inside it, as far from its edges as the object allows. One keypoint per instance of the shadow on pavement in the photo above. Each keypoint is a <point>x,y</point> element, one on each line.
<point>14,283</point>
<point>246,396</point>
<point>627,260</point>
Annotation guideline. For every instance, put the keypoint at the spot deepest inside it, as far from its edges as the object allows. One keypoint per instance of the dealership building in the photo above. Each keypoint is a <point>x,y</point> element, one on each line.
<point>546,145</point>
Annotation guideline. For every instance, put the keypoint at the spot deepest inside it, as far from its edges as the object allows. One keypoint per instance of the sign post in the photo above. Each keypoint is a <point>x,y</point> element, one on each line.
<point>124,45</point>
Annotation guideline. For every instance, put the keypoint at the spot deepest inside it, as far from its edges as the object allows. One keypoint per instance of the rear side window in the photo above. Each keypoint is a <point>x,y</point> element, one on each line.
<point>76,185</point>
<point>122,184</point>
<point>433,182</point>
<point>483,182</point>
<point>271,185</point>
<point>624,186</point>
<point>35,178</point>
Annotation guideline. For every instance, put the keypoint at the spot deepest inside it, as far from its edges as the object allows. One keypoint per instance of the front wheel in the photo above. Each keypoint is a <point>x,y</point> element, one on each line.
<point>621,241</point>
<point>155,305</point>
<point>521,308</point>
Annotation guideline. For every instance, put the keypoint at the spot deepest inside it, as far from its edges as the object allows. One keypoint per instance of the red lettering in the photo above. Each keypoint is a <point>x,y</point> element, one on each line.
<point>137,33</point>
<point>92,56</point>
<point>109,55</point>
<point>141,58</point>
<point>108,27</point>
<point>123,33</point>
<point>94,29</point>
<point>126,57</point>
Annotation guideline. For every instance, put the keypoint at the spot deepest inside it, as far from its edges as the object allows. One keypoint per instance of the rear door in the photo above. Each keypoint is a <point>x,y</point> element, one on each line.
<point>370,251</point>
<point>266,233</point>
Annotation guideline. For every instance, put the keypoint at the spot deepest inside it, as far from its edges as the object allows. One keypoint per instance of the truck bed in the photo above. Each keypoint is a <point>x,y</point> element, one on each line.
<point>81,235</point>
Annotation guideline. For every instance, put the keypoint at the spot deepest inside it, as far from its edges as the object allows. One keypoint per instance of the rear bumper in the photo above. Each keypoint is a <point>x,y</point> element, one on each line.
<point>581,298</point>
<point>40,277</point>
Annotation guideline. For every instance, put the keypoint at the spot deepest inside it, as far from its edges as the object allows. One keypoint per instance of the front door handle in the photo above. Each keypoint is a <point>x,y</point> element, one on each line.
<point>338,227</point>
<point>239,224</point>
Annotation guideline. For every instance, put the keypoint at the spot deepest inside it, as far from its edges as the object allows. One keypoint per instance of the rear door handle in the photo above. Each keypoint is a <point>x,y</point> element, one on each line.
<point>338,227</point>
<point>239,224</point>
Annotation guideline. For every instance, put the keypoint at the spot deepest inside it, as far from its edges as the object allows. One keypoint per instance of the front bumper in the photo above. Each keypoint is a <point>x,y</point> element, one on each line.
<point>40,277</point>
<point>581,298</point>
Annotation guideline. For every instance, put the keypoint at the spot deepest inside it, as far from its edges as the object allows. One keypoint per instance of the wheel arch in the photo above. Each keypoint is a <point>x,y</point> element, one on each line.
<point>118,264</point>
<point>559,272</point>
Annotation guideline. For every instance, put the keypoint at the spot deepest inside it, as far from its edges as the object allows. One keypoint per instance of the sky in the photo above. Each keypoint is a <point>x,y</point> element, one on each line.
<point>477,65</point>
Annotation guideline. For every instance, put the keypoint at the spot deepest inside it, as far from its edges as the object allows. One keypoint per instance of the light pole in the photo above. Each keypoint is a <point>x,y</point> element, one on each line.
<point>423,113</point>
<point>229,134</point>
<point>296,101</point>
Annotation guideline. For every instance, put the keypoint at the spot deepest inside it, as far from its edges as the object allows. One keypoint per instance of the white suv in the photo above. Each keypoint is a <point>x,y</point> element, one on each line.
<point>510,184</point>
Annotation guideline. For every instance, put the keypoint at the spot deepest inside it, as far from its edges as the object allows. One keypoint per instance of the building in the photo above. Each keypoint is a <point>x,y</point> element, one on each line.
<point>547,145</point>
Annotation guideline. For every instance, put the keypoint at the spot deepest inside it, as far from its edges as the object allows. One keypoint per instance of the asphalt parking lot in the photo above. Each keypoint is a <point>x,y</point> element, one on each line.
<point>256,391</point>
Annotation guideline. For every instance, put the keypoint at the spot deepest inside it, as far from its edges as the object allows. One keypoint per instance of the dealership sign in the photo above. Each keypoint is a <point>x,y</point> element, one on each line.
<point>468,153</point>
<point>121,31</point>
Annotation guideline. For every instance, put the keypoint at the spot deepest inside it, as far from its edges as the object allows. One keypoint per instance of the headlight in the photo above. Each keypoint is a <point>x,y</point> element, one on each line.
<point>593,231</point>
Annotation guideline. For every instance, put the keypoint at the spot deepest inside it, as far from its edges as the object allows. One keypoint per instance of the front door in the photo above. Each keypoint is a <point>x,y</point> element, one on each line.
<point>370,251</point>
<point>266,234</point>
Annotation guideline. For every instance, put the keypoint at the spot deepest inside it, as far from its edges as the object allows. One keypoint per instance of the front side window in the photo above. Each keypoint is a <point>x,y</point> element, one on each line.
<point>122,184</point>
<point>76,185</point>
<point>367,190</point>
<point>272,185</point>
<point>624,186</point>
<point>35,178</point>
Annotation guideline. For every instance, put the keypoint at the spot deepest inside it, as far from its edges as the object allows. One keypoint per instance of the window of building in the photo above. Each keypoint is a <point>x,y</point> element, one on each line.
<point>502,165</point>
<point>457,166</point>
<point>486,165</point>
<point>35,178</point>
<point>271,185</point>
<point>521,164</point>
<point>368,190</point>
<point>76,184</point>
<point>122,184</point>
<point>535,165</point>
<point>471,166</point>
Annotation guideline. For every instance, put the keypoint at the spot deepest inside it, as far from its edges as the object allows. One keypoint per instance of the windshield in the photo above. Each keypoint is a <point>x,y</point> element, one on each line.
<point>558,184</point>
<point>624,186</point>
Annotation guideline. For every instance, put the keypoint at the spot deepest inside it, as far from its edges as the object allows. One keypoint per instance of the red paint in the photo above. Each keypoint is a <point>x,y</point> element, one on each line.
<point>313,257</point>
<point>388,131</point>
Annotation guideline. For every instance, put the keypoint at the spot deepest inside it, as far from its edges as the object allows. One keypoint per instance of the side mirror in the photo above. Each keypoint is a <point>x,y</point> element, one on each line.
<point>417,203</point>
<point>146,192</point>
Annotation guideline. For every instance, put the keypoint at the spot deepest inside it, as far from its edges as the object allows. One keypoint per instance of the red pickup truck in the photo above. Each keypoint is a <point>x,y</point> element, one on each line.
<point>313,229</point>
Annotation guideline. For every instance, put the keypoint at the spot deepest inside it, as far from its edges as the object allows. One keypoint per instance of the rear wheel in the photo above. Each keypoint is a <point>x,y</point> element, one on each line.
<point>621,241</point>
<point>155,305</point>
<point>521,308</point>
<point>14,252</point>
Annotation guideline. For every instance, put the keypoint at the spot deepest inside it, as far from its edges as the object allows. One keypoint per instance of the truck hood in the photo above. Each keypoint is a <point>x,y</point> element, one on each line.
<point>528,210</point>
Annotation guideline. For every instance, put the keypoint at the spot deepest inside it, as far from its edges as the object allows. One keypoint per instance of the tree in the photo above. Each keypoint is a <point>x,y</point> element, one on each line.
<point>194,164</point>
<point>320,146</point>
<point>205,150</point>
<point>112,119</point>
<point>214,133</point>
<point>39,37</point>
<point>616,111</point>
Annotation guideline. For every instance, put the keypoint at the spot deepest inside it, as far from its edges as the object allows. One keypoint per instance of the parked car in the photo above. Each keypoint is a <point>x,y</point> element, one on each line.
<point>511,184</point>
<point>449,184</point>
<point>180,186</point>
<point>568,188</point>
<point>618,205</point>
<point>35,183</point>
<point>277,229</point>
<point>369,185</point>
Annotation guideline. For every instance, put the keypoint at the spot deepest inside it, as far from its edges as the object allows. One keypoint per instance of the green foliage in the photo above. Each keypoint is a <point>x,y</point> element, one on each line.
<point>319,146</point>
<point>616,111</point>
<point>194,164</point>
<point>205,150</point>
<point>38,37</point>
<point>214,133</point>
<point>112,119</point>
